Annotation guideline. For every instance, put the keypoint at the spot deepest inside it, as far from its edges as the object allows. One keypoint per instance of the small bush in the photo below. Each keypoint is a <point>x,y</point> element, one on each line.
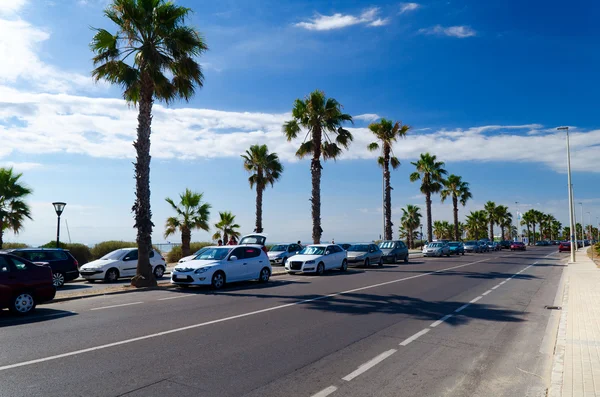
<point>6,246</point>
<point>81,252</point>
<point>175,254</point>
<point>106,247</point>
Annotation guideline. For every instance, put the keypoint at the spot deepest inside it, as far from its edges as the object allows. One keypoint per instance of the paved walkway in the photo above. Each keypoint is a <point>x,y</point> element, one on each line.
<point>576,369</point>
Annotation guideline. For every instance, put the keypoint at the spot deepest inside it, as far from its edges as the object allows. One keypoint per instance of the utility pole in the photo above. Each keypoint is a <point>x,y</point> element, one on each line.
<point>570,190</point>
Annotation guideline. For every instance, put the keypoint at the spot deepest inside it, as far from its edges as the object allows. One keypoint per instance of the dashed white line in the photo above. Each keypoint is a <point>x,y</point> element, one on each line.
<point>369,364</point>
<point>441,320</point>
<point>502,283</point>
<point>486,292</point>
<point>463,307</point>
<point>110,307</point>
<point>476,299</point>
<point>495,287</point>
<point>414,337</point>
<point>325,392</point>
<point>176,297</point>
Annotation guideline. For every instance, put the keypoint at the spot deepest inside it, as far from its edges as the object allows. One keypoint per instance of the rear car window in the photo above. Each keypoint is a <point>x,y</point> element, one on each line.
<point>18,264</point>
<point>251,252</point>
<point>54,255</point>
<point>4,267</point>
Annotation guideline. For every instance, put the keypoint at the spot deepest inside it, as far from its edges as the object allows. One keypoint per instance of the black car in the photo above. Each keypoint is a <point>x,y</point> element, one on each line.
<point>505,244</point>
<point>394,250</point>
<point>64,266</point>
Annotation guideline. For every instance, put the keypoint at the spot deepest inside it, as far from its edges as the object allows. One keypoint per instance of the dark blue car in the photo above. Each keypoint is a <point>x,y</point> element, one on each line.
<point>456,248</point>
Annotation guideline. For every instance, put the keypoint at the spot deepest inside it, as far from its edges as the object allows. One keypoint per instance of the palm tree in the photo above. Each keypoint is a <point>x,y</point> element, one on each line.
<point>410,221</point>
<point>322,118</point>
<point>226,227</point>
<point>387,132</point>
<point>476,224</point>
<point>443,229</point>
<point>491,211</point>
<point>264,169</point>
<point>459,190</point>
<point>528,219</point>
<point>431,173</point>
<point>192,213</point>
<point>13,209</point>
<point>163,67</point>
<point>504,219</point>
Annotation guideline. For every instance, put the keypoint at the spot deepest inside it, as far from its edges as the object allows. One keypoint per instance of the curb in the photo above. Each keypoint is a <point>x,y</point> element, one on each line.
<point>558,366</point>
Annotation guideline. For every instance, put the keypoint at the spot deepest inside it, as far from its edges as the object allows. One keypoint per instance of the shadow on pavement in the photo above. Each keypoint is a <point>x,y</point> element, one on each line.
<point>74,287</point>
<point>8,319</point>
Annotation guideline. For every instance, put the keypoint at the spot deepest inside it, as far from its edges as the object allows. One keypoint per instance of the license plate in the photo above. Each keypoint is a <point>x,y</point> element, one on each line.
<point>180,277</point>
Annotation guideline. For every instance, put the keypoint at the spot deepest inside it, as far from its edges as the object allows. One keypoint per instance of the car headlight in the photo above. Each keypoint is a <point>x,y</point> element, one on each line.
<point>202,270</point>
<point>309,262</point>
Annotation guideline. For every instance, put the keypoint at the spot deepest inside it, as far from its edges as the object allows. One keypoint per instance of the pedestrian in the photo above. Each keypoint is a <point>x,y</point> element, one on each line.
<point>232,241</point>
<point>299,243</point>
<point>220,243</point>
<point>332,241</point>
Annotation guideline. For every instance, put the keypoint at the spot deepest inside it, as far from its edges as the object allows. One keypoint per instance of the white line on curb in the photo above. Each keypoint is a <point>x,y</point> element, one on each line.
<point>414,337</point>
<point>369,364</point>
<point>325,392</point>
<point>110,307</point>
<point>441,320</point>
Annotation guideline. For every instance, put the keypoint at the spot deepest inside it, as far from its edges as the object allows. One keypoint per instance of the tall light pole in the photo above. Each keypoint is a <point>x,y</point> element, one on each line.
<point>517,218</point>
<point>582,226</point>
<point>570,190</point>
<point>589,232</point>
<point>59,208</point>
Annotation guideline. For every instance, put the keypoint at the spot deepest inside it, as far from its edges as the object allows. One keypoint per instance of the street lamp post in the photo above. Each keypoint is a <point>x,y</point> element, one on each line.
<point>517,219</point>
<point>570,190</point>
<point>59,208</point>
<point>582,226</point>
<point>421,225</point>
<point>589,232</point>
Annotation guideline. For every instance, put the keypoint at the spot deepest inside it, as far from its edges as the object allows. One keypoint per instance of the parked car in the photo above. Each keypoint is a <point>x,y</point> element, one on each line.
<point>255,239</point>
<point>436,249</point>
<point>24,284</point>
<point>483,246</point>
<point>518,246</point>
<point>318,258</point>
<point>472,246</point>
<point>64,266</point>
<point>220,265</point>
<point>564,246</point>
<point>493,246</point>
<point>394,250</point>
<point>505,244</point>
<point>345,246</point>
<point>364,254</point>
<point>190,257</point>
<point>456,247</point>
<point>279,254</point>
<point>120,263</point>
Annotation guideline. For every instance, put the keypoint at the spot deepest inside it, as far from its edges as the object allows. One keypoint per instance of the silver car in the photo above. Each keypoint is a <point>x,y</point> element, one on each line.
<point>366,254</point>
<point>436,249</point>
<point>279,254</point>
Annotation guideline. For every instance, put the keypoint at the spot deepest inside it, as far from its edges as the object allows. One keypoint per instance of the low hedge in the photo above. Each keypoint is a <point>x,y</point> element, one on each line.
<point>175,254</point>
<point>7,246</point>
<point>106,247</point>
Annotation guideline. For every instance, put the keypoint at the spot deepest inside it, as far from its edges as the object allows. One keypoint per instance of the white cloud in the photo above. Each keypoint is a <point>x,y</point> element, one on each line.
<point>407,7</point>
<point>460,32</point>
<point>23,166</point>
<point>11,7</point>
<point>367,117</point>
<point>339,21</point>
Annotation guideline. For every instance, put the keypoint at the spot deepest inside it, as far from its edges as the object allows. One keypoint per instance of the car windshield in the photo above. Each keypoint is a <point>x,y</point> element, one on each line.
<point>278,248</point>
<point>471,243</point>
<point>312,250</point>
<point>115,255</point>
<point>434,245</point>
<point>453,244</point>
<point>386,245</point>
<point>213,254</point>
<point>359,248</point>
<point>200,251</point>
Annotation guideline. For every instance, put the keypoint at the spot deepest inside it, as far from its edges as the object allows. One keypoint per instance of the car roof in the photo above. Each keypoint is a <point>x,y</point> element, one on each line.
<point>320,245</point>
<point>34,249</point>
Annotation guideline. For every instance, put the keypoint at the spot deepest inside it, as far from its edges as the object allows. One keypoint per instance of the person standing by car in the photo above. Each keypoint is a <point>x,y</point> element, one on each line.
<point>220,242</point>
<point>232,241</point>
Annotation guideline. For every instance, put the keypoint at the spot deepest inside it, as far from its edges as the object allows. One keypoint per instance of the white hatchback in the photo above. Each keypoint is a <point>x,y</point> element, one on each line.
<point>120,263</point>
<point>317,259</point>
<point>219,265</point>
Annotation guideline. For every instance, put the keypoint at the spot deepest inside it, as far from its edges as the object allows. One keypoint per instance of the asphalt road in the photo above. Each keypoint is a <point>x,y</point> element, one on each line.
<point>473,325</point>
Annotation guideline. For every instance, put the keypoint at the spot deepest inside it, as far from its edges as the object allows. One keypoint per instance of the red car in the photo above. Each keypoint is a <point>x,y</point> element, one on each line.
<point>564,246</point>
<point>518,246</point>
<point>23,284</point>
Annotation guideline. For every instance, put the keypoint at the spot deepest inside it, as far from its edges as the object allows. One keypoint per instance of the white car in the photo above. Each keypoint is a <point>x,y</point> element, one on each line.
<point>190,257</point>
<point>436,249</point>
<point>120,263</point>
<point>317,258</point>
<point>279,254</point>
<point>219,265</point>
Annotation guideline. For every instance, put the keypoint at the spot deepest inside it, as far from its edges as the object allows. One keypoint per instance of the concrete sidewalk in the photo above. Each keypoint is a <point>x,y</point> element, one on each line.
<point>576,367</point>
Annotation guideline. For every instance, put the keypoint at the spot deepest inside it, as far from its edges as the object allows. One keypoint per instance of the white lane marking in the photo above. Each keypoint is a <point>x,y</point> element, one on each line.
<point>476,299</point>
<point>175,297</point>
<point>414,337</point>
<point>463,307</point>
<point>221,320</point>
<point>110,307</point>
<point>441,320</point>
<point>325,392</point>
<point>495,287</point>
<point>502,283</point>
<point>369,364</point>
<point>486,292</point>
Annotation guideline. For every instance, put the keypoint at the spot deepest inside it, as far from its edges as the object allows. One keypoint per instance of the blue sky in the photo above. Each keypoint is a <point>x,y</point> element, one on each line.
<point>483,85</point>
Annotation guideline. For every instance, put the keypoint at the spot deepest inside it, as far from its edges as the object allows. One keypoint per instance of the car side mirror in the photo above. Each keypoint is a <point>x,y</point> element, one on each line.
<point>233,258</point>
<point>126,258</point>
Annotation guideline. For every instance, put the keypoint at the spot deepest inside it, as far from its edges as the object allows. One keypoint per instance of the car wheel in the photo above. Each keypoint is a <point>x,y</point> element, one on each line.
<point>23,303</point>
<point>344,266</point>
<point>380,264</point>
<point>264,275</point>
<point>394,259</point>
<point>406,259</point>
<point>218,280</point>
<point>91,281</point>
<point>112,275</point>
<point>367,263</point>
<point>320,269</point>
<point>159,271</point>
<point>463,253</point>
<point>58,279</point>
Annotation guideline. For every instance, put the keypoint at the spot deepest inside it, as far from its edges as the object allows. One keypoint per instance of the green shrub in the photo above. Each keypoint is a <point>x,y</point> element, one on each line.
<point>175,254</point>
<point>81,252</point>
<point>106,247</point>
<point>6,246</point>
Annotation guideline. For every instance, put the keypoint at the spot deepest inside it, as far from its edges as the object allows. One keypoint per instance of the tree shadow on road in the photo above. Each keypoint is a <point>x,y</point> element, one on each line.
<point>8,319</point>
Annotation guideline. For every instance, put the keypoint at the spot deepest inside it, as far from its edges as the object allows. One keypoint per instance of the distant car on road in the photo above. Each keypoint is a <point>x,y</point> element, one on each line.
<point>456,248</point>
<point>120,263</point>
<point>505,244</point>
<point>472,246</point>
<point>364,254</point>
<point>518,246</point>
<point>318,258</point>
<point>483,246</point>
<point>220,265</point>
<point>436,249</point>
<point>564,246</point>
<point>64,265</point>
<point>394,250</point>
<point>279,254</point>
<point>190,257</point>
<point>24,284</point>
<point>493,246</point>
<point>345,246</point>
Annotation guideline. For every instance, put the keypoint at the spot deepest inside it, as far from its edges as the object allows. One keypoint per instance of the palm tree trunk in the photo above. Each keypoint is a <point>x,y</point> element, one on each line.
<point>455,205</point>
<point>1,233</point>
<point>429,222</point>
<point>388,192</point>
<point>259,200</point>
<point>491,229</point>
<point>409,239</point>
<point>534,233</point>
<point>141,207</point>
<point>502,232</point>
<point>315,170</point>
<point>186,237</point>
<point>528,234</point>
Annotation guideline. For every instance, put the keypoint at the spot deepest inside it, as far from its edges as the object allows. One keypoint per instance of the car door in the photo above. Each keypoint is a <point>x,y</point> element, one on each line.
<point>236,268</point>
<point>329,257</point>
<point>375,253</point>
<point>7,281</point>
<point>254,263</point>
<point>128,265</point>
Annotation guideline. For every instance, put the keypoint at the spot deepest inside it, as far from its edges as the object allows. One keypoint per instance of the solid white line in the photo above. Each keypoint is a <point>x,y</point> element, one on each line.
<point>369,364</point>
<point>110,307</point>
<point>221,320</point>
<point>463,307</point>
<point>441,320</point>
<point>325,392</point>
<point>175,297</point>
<point>476,299</point>
<point>414,337</point>
<point>486,292</point>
